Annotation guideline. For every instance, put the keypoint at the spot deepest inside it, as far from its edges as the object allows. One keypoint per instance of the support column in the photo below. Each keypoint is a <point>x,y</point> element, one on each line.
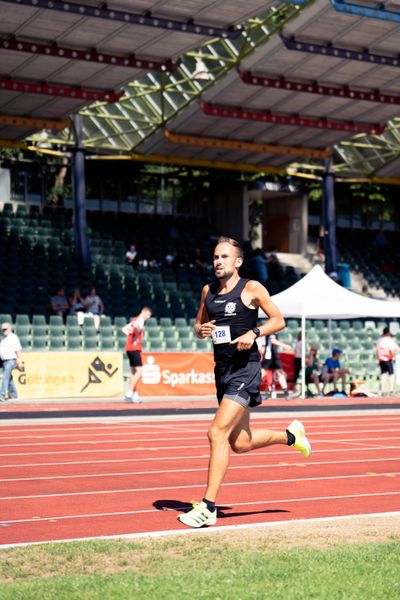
<point>82,250</point>
<point>329,219</point>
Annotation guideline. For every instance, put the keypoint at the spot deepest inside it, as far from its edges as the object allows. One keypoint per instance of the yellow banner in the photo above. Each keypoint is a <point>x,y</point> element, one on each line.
<point>70,375</point>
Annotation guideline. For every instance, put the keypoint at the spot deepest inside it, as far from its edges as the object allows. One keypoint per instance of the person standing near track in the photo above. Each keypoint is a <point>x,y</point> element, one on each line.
<point>386,350</point>
<point>228,313</point>
<point>133,348</point>
<point>11,358</point>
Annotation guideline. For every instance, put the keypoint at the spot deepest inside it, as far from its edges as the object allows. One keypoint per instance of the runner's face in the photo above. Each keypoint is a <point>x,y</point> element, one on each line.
<point>226,261</point>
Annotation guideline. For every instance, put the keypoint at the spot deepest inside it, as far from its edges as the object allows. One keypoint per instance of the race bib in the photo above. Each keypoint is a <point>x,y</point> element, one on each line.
<point>221,334</point>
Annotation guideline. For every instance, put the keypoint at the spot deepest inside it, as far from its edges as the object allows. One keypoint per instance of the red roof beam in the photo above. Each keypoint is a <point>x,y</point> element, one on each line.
<point>316,88</point>
<point>232,112</point>
<point>62,91</point>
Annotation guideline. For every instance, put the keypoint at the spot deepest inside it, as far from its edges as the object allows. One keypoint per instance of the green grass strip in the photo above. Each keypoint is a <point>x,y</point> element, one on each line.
<point>203,568</point>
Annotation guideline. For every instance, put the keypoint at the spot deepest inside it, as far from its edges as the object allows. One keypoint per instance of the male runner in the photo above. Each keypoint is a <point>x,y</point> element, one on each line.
<point>228,313</point>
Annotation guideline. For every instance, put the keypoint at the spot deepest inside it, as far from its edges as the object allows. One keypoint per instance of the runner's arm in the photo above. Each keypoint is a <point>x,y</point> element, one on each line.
<point>260,298</point>
<point>203,327</point>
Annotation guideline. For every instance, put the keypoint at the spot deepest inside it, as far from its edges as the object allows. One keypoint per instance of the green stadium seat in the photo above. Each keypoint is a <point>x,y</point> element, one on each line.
<point>203,345</point>
<point>152,323</point>
<point>153,333</point>
<point>72,320</point>
<point>90,334</point>
<point>73,330</point>
<point>7,318</point>
<point>107,344</point>
<point>121,342</point>
<point>24,341</point>
<point>39,320</point>
<point>166,322</point>
<point>88,323</point>
<point>180,322</point>
<point>90,344</point>
<point>20,319</point>
<point>22,330</point>
<point>105,322</point>
<point>56,320</point>
<point>39,343</point>
<point>56,329</point>
<point>170,334</point>
<point>39,330</point>
<point>172,345</point>
<point>187,344</point>
<point>120,322</point>
<point>56,343</point>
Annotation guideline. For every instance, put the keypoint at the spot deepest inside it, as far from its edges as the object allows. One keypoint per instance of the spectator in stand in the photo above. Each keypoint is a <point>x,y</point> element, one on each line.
<point>59,303</point>
<point>313,370</point>
<point>365,291</point>
<point>133,348</point>
<point>10,355</point>
<point>275,272</point>
<point>386,350</point>
<point>198,262</point>
<point>171,260</point>
<point>271,366</point>
<point>260,266</point>
<point>94,306</point>
<point>132,256</point>
<point>335,277</point>
<point>333,371</point>
<point>77,306</point>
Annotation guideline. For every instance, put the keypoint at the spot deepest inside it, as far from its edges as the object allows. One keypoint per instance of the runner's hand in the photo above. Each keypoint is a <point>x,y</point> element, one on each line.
<point>245,341</point>
<point>206,329</point>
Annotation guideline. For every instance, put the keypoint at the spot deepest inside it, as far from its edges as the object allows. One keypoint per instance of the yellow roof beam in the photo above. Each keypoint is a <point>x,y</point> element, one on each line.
<point>208,142</point>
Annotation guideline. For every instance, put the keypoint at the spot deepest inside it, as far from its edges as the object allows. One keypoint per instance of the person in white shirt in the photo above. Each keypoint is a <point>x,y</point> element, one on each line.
<point>11,358</point>
<point>94,306</point>
<point>386,350</point>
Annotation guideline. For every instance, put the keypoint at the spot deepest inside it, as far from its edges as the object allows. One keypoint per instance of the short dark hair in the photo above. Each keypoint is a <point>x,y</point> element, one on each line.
<point>226,240</point>
<point>386,331</point>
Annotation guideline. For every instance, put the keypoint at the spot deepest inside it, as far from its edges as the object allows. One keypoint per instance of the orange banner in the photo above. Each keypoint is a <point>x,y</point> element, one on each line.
<point>177,374</point>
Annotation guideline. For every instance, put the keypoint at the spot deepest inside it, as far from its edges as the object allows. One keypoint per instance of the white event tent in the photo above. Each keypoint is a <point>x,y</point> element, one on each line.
<point>317,296</point>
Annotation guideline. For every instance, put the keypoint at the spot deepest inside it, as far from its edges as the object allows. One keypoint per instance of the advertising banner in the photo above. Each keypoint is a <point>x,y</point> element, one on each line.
<point>70,375</point>
<point>177,374</point>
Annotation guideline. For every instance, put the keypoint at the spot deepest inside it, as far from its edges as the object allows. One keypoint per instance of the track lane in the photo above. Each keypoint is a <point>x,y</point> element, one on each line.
<point>274,484</point>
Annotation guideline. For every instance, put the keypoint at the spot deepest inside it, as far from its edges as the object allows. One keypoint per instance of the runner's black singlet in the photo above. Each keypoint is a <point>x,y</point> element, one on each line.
<point>228,309</point>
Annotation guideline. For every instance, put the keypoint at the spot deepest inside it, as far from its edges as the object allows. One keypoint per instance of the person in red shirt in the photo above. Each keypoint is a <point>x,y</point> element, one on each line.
<point>133,348</point>
<point>386,350</point>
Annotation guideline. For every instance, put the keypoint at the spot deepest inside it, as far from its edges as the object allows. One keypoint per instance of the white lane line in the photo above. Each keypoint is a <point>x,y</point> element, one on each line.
<point>152,439</point>
<point>271,453</point>
<point>180,439</point>
<point>200,485</point>
<point>187,470</point>
<point>193,426</point>
<point>208,530</point>
<point>154,510</point>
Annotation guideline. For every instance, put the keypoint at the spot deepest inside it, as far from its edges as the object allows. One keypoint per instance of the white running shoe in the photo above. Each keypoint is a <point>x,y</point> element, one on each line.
<point>136,398</point>
<point>301,443</point>
<point>199,516</point>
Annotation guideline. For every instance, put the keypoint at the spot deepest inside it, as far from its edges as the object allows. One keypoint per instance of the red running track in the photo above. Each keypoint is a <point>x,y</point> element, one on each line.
<point>84,480</point>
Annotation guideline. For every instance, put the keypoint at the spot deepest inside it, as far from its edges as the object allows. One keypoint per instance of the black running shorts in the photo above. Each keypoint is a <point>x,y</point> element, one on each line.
<point>239,383</point>
<point>386,367</point>
<point>135,358</point>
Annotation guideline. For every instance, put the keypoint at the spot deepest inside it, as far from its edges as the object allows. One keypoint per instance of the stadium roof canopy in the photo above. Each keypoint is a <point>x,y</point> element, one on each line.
<point>267,85</point>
